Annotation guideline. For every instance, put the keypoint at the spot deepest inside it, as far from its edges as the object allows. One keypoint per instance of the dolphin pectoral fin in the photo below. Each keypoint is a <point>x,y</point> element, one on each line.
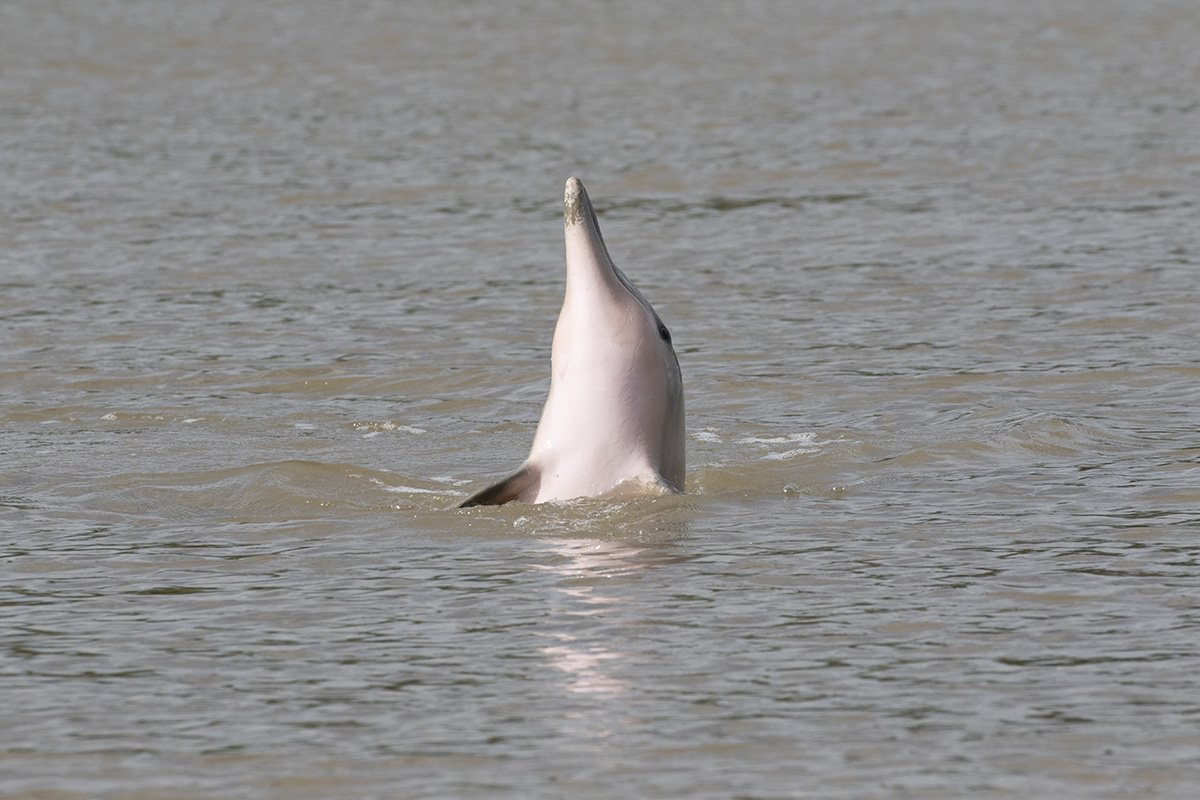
<point>500,493</point>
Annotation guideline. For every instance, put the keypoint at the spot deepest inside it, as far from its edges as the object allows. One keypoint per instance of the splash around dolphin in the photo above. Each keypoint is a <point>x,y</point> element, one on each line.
<point>613,421</point>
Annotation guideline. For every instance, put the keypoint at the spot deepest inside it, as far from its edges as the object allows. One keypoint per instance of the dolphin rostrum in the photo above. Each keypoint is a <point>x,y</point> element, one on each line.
<point>614,416</point>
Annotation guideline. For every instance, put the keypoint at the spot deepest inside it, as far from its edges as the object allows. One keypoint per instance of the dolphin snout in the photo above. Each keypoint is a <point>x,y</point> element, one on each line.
<point>573,200</point>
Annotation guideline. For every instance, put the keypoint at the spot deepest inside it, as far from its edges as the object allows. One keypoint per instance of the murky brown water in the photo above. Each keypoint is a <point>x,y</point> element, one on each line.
<point>277,287</point>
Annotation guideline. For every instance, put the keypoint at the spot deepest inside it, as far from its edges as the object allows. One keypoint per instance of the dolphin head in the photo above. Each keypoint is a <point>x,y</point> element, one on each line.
<point>602,302</point>
<point>614,414</point>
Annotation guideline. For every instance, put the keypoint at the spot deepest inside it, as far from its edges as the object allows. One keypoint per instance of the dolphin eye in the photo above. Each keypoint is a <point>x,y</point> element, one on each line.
<point>663,333</point>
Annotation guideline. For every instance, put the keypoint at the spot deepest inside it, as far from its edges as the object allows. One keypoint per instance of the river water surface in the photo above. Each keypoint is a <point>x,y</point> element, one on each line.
<point>277,287</point>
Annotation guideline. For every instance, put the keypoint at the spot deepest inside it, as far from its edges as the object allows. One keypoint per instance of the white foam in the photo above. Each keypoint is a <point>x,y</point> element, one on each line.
<point>791,437</point>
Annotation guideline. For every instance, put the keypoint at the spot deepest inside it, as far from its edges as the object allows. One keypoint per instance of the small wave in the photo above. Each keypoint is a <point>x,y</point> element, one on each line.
<point>806,441</point>
<point>372,429</point>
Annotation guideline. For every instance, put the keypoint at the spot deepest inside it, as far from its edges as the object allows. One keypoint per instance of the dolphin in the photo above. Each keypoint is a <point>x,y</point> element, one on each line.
<point>614,416</point>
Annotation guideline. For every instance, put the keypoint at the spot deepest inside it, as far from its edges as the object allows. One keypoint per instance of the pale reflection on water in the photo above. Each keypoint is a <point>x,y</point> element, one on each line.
<point>581,579</point>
